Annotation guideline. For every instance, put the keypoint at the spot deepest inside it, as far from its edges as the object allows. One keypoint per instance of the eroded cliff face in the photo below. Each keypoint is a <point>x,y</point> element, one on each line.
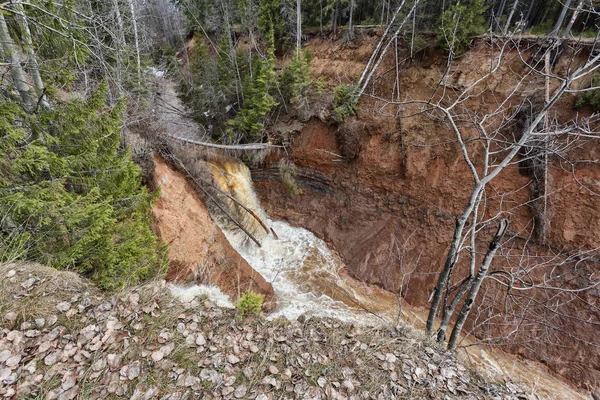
<point>198,250</point>
<point>385,192</point>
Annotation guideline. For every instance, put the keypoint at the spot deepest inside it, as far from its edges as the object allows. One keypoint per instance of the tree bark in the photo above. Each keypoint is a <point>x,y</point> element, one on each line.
<point>449,310</point>
<point>561,18</point>
<point>481,275</point>
<point>18,75</point>
<point>335,17</point>
<point>298,26</point>
<point>510,17</point>
<point>573,19</point>
<point>350,26</point>
<point>527,23</point>
<point>32,65</point>
<point>499,14</point>
<point>137,41</point>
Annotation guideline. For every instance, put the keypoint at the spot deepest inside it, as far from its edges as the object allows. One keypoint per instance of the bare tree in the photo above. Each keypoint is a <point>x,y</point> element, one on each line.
<point>561,18</point>
<point>136,37</point>
<point>487,151</point>
<point>350,25</point>
<point>573,19</point>
<point>18,74</point>
<point>510,16</point>
<point>298,26</point>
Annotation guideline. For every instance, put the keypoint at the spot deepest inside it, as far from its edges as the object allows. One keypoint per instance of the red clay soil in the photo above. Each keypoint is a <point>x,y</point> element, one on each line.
<point>198,250</point>
<point>384,193</point>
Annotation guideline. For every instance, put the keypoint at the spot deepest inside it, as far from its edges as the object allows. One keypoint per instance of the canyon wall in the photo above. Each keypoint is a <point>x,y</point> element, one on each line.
<point>385,192</point>
<point>198,250</point>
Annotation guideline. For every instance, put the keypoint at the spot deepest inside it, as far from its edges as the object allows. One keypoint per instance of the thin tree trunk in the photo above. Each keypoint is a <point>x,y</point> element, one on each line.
<point>137,42</point>
<point>481,275</point>
<point>499,14</point>
<point>527,23</point>
<point>120,45</point>
<point>448,311</point>
<point>561,18</point>
<point>381,41</point>
<point>32,65</point>
<point>321,18</point>
<point>385,49</point>
<point>298,26</point>
<point>412,36</point>
<point>18,75</point>
<point>510,17</point>
<point>573,19</point>
<point>335,17</point>
<point>350,26</point>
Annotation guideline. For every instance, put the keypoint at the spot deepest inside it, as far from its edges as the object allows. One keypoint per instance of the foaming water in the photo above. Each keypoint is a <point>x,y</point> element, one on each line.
<point>188,293</point>
<point>305,275</point>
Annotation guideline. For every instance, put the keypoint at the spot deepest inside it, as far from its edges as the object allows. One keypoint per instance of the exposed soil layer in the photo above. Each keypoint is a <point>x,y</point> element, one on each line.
<point>198,250</point>
<point>386,196</point>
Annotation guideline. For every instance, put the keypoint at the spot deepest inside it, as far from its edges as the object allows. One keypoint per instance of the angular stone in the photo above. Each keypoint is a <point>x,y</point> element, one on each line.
<point>63,306</point>
<point>4,355</point>
<point>232,359</point>
<point>157,356</point>
<point>53,358</point>
<point>200,340</point>
<point>13,361</point>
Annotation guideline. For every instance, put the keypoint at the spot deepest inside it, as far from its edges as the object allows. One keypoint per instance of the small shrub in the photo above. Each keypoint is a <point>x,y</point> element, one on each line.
<point>296,79</point>
<point>345,101</point>
<point>460,23</point>
<point>320,85</point>
<point>590,98</point>
<point>249,303</point>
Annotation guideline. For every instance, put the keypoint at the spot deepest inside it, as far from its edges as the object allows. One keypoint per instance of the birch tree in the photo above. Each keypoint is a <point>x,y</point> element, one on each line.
<point>561,18</point>
<point>136,38</point>
<point>17,72</point>
<point>487,152</point>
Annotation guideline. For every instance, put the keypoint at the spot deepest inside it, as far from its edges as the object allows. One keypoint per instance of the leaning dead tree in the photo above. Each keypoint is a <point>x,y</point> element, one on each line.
<point>484,133</point>
<point>505,133</point>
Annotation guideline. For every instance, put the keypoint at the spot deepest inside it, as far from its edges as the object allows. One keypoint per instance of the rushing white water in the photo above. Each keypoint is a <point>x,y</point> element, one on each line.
<point>304,273</point>
<point>188,293</point>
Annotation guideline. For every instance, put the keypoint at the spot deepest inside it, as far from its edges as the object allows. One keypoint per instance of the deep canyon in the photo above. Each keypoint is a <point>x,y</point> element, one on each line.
<point>384,192</point>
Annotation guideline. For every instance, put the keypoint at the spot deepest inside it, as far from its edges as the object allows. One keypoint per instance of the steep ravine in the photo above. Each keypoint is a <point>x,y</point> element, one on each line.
<point>383,232</point>
<point>198,250</point>
<point>384,228</point>
<point>384,192</point>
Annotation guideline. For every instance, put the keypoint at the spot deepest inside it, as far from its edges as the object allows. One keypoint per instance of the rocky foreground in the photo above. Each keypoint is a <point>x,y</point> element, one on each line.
<point>61,338</point>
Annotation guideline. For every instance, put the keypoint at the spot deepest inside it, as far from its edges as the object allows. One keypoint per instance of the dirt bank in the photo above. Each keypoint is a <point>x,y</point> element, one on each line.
<point>198,250</point>
<point>384,193</point>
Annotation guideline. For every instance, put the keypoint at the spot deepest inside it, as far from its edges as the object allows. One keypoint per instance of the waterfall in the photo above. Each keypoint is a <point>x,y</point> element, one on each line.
<point>306,275</point>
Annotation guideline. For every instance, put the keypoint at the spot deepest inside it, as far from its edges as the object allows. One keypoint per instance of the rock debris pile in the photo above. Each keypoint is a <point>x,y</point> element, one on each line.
<point>61,338</point>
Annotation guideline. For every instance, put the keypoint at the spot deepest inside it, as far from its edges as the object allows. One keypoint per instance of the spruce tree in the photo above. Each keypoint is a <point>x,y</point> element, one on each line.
<point>70,195</point>
<point>249,121</point>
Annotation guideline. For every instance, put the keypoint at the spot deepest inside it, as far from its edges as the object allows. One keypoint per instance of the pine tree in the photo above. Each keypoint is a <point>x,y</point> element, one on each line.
<point>249,121</point>
<point>460,23</point>
<point>72,198</point>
